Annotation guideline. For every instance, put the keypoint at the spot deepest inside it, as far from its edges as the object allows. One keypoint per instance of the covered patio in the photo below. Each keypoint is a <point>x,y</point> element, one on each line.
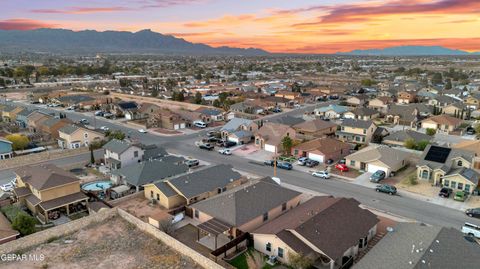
<point>73,203</point>
<point>214,231</point>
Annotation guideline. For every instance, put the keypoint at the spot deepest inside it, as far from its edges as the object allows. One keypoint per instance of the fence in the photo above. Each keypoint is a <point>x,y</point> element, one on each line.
<point>234,243</point>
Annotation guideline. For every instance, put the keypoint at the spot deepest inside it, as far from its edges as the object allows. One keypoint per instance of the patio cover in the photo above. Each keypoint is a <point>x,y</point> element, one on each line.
<point>214,226</point>
<point>63,201</point>
<point>22,191</point>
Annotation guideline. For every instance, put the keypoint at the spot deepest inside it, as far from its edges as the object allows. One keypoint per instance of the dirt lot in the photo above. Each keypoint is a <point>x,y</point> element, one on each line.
<point>139,207</point>
<point>112,244</point>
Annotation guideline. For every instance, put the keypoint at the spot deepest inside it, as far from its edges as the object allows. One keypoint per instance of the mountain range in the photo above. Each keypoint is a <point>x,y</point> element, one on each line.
<point>89,41</point>
<point>410,51</point>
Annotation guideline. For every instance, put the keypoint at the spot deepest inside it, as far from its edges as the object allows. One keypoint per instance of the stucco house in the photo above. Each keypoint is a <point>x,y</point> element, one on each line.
<point>331,231</point>
<point>121,153</point>
<point>356,131</point>
<point>442,123</point>
<point>322,149</point>
<point>74,136</point>
<point>6,150</point>
<point>362,113</point>
<point>239,130</point>
<point>315,129</point>
<point>331,111</point>
<point>374,158</point>
<point>398,138</point>
<point>405,97</point>
<point>357,101</point>
<point>380,104</point>
<point>269,137</point>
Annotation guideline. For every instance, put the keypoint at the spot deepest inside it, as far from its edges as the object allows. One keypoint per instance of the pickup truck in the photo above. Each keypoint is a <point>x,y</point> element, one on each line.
<point>202,145</point>
<point>471,229</point>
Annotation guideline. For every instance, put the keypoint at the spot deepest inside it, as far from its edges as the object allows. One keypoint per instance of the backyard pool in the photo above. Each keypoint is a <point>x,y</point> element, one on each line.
<point>97,186</point>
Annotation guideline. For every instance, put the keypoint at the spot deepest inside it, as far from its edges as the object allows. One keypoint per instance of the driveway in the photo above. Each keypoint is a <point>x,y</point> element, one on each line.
<point>364,180</point>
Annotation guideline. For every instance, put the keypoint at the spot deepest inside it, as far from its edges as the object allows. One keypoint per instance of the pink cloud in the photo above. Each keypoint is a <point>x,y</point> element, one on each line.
<point>80,10</point>
<point>23,24</point>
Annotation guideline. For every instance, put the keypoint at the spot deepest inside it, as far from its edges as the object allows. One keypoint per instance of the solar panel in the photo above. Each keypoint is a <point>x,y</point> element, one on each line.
<point>437,154</point>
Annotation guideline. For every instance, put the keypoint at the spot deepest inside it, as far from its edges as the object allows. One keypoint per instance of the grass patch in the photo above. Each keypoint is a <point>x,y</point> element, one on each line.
<point>12,211</point>
<point>240,262</point>
<point>410,180</point>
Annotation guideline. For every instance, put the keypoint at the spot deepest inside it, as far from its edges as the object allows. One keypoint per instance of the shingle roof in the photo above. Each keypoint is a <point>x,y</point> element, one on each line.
<point>69,129</point>
<point>324,145</point>
<point>388,156</point>
<point>364,124</point>
<point>454,153</point>
<point>205,180</point>
<point>153,152</point>
<point>336,108</point>
<point>117,146</point>
<point>234,124</point>
<point>273,133</point>
<point>45,176</point>
<point>75,98</point>
<point>364,111</point>
<point>407,134</point>
<point>314,125</point>
<point>241,205</point>
<point>289,120</point>
<point>165,188</point>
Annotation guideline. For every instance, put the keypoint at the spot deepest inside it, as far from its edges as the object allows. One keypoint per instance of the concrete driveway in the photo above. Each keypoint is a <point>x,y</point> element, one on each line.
<point>364,180</point>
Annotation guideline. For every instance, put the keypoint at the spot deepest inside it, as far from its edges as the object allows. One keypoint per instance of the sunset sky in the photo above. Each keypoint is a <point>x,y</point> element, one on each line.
<point>294,26</point>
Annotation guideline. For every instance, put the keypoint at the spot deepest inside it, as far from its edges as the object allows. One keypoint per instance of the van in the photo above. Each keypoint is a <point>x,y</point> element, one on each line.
<point>200,124</point>
<point>471,229</point>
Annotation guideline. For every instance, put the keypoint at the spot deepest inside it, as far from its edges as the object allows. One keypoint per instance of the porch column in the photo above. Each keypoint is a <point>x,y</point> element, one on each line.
<point>68,210</point>
<point>46,216</point>
<point>332,264</point>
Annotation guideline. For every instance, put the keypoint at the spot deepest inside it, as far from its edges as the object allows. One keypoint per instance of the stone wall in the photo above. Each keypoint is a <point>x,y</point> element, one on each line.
<point>169,241</point>
<point>58,231</point>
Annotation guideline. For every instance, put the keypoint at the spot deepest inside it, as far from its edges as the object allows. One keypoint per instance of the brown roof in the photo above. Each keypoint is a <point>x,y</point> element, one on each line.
<point>323,145</point>
<point>45,176</point>
<point>469,145</point>
<point>445,120</point>
<point>33,200</point>
<point>64,200</point>
<point>295,243</point>
<point>6,228</point>
<point>22,191</point>
<point>273,132</point>
<point>314,125</point>
<point>333,225</point>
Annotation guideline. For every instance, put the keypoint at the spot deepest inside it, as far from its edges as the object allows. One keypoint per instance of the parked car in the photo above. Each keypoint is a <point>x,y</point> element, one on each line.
<point>107,115</point>
<point>200,124</point>
<point>206,146</point>
<point>342,161</point>
<point>284,165</point>
<point>228,144</point>
<point>473,212</point>
<point>445,192</point>
<point>385,188</point>
<point>276,110</point>
<point>312,163</point>
<point>225,151</point>
<point>213,134</point>
<point>460,196</point>
<point>329,162</point>
<point>99,113</point>
<point>7,187</point>
<point>192,162</point>
<point>211,139</point>
<point>269,162</point>
<point>321,174</point>
<point>302,161</point>
<point>470,130</point>
<point>84,121</point>
<point>143,131</point>
<point>341,167</point>
<point>104,128</point>
<point>377,176</point>
<point>471,229</point>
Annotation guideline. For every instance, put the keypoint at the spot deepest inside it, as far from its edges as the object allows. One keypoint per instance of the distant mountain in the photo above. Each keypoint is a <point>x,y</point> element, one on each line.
<point>409,51</point>
<point>89,41</point>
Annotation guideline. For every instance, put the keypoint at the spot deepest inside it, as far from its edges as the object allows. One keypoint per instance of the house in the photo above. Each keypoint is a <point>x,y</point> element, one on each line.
<point>212,113</point>
<point>442,123</point>
<point>407,115</point>
<point>6,150</point>
<point>51,126</point>
<point>192,116</point>
<point>413,245</point>
<point>74,136</point>
<point>46,188</point>
<point>247,207</point>
<point>330,231</point>
<point>322,149</point>
<point>441,101</point>
<point>7,234</point>
<point>128,109</point>
<point>315,128</point>
<point>362,113</point>
<point>356,131</point>
<point>331,111</point>
<point>288,95</point>
<point>247,106</point>
<point>398,138</point>
<point>239,130</point>
<point>406,97</point>
<point>380,104</point>
<point>457,110</point>
<point>166,119</point>
<point>193,187</point>
<point>137,175</point>
<point>448,167</point>
<point>374,158</point>
<point>35,119</point>
<point>269,137</point>
<point>121,153</point>
<point>288,120</point>
<point>471,146</point>
<point>357,101</point>
<point>473,100</point>
<point>8,112</point>
<point>22,117</point>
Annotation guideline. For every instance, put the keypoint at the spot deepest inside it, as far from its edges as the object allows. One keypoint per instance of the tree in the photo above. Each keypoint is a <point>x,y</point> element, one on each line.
<point>422,145</point>
<point>287,144</point>
<point>216,103</point>
<point>437,78</point>
<point>19,142</point>
<point>448,86</point>
<point>299,261</point>
<point>368,82</point>
<point>117,134</point>
<point>24,224</point>
<point>410,143</point>
<point>166,226</point>
<point>431,132</point>
<point>92,157</point>
<point>198,98</point>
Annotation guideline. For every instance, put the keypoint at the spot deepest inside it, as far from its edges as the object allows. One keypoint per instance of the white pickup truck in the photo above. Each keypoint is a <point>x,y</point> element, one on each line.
<point>471,229</point>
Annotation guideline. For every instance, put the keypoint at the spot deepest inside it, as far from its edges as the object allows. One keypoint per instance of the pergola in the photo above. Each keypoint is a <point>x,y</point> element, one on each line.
<point>214,227</point>
<point>64,201</point>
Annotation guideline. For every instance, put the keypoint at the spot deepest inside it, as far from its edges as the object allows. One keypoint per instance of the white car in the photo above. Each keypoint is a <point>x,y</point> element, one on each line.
<point>7,187</point>
<point>225,151</point>
<point>471,229</point>
<point>143,131</point>
<point>321,174</point>
<point>104,128</point>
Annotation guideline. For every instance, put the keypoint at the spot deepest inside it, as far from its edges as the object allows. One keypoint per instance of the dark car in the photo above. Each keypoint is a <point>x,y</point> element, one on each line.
<point>206,146</point>
<point>284,165</point>
<point>211,139</point>
<point>385,188</point>
<point>377,176</point>
<point>269,162</point>
<point>311,163</point>
<point>473,212</point>
<point>329,162</point>
<point>445,192</point>
<point>228,144</point>
<point>470,130</point>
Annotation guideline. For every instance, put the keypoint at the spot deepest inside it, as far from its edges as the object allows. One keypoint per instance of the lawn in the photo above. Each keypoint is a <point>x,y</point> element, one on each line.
<point>240,262</point>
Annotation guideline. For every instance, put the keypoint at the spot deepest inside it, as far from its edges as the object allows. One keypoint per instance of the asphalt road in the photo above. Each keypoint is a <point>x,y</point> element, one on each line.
<point>407,207</point>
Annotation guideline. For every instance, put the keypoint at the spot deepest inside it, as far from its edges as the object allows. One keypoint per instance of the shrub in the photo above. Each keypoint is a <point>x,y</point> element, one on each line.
<point>412,180</point>
<point>431,131</point>
<point>24,224</point>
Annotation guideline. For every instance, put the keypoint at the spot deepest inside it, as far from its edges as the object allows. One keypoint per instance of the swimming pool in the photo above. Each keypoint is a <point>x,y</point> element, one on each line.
<point>97,186</point>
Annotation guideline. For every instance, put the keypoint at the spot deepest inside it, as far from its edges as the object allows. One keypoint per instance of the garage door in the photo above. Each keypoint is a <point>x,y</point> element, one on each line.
<point>269,148</point>
<point>315,157</point>
<point>182,125</point>
<point>373,168</point>
<point>176,126</point>
<point>234,139</point>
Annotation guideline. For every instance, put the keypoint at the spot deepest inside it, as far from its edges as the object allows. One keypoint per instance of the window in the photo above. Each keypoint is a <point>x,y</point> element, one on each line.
<point>158,197</point>
<point>467,187</point>
<point>460,186</point>
<point>425,174</point>
<point>446,182</point>
<point>453,185</point>
<point>224,189</point>
<point>268,247</point>
<point>151,194</point>
<point>265,216</point>
<point>352,163</point>
<point>459,163</point>
<point>357,138</point>
<point>343,128</point>
<point>135,154</point>
<point>86,135</point>
<point>197,214</point>
<point>280,252</point>
<point>364,131</point>
<point>284,206</point>
<point>295,152</point>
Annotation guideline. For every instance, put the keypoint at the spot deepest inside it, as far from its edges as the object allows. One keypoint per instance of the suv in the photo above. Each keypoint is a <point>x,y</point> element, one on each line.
<point>473,212</point>
<point>302,161</point>
<point>311,163</point>
<point>192,162</point>
<point>377,176</point>
<point>385,188</point>
<point>284,165</point>
<point>460,196</point>
<point>471,229</point>
<point>445,192</point>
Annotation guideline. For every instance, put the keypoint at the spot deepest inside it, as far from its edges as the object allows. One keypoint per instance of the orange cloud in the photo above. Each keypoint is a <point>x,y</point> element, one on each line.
<point>80,10</point>
<point>23,24</point>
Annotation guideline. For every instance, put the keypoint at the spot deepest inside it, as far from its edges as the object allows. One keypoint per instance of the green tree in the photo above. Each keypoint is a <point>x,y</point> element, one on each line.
<point>117,134</point>
<point>448,86</point>
<point>287,144</point>
<point>198,98</point>
<point>216,103</point>
<point>422,145</point>
<point>24,224</point>
<point>410,143</point>
<point>92,157</point>
<point>431,132</point>
<point>299,261</point>
<point>437,78</point>
<point>368,82</point>
<point>19,142</point>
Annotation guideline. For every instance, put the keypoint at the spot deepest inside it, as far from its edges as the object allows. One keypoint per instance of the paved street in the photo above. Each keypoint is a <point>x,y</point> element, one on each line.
<point>398,205</point>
